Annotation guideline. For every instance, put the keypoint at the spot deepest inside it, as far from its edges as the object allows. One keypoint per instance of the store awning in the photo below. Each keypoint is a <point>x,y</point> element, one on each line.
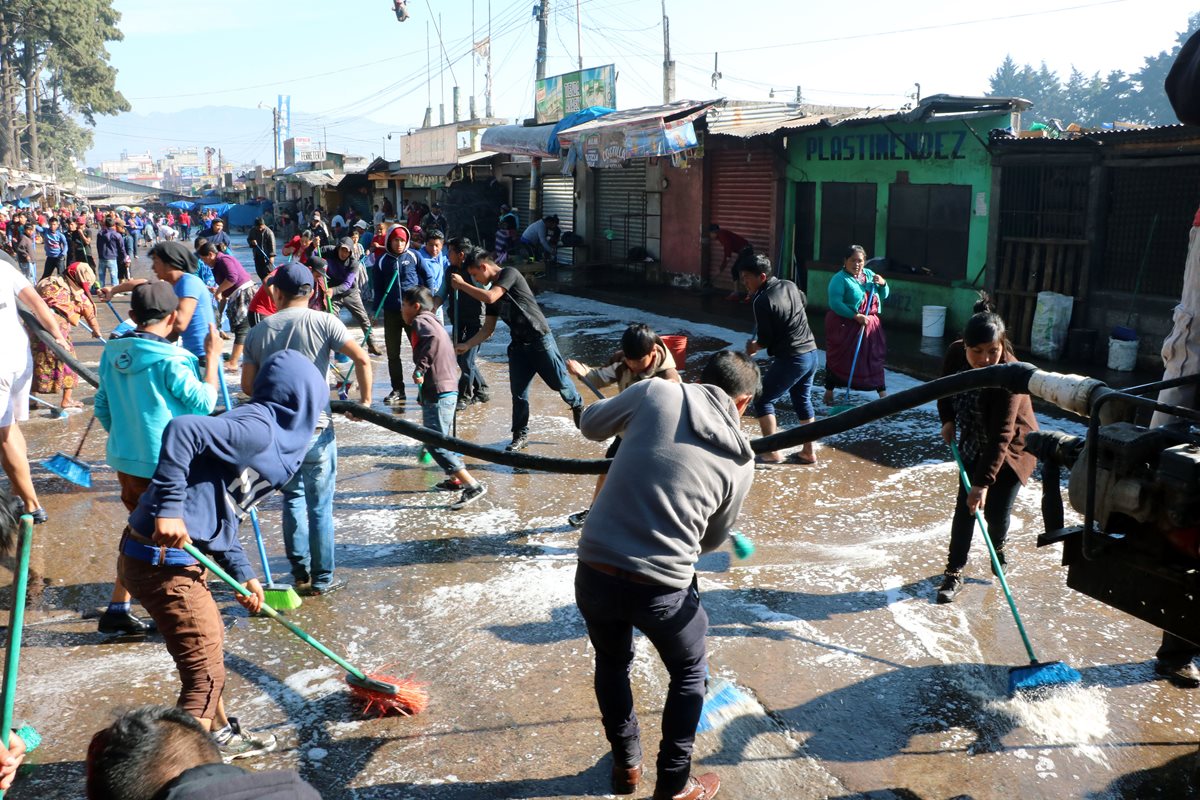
<point>610,140</point>
<point>441,170</point>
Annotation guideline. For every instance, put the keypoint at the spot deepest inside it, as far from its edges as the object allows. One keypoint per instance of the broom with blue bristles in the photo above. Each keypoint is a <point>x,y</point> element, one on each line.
<point>1038,676</point>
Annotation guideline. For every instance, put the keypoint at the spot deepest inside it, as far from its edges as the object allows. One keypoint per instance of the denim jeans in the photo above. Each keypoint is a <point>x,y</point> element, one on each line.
<point>108,272</point>
<point>792,374</point>
<point>537,358</point>
<point>675,623</point>
<point>997,508</point>
<point>439,416</point>
<point>471,382</point>
<point>29,269</point>
<point>308,512</point>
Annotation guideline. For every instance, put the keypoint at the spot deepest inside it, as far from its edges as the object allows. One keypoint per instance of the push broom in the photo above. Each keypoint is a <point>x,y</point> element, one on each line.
<point>277,596</point>
<point>379,692</point>
<point>16,624</point>
<point>1038,676</point>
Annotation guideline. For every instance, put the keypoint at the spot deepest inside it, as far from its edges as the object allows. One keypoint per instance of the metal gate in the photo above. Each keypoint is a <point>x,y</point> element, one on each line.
<point>620,212</point>
<point>558,198</point>
<point>742,199</point>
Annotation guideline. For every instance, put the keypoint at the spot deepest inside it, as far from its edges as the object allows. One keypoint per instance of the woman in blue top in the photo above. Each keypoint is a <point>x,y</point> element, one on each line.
<point>851,314</point>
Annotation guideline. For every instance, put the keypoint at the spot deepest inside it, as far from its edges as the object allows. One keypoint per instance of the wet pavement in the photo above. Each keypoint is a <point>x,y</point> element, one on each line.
<point>858,685</point>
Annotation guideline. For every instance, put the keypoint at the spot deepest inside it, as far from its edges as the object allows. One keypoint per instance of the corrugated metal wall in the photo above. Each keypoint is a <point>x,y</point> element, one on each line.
<point>621,209</point>
<point>741,199</point>
<point>558,197</point>
<point>520,203</point>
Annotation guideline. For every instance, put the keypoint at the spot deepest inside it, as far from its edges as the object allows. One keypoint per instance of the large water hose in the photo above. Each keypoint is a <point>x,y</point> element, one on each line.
<point>1074,393</point>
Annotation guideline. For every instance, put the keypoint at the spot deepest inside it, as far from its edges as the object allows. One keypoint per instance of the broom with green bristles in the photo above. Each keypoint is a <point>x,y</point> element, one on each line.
<point>278,596</point>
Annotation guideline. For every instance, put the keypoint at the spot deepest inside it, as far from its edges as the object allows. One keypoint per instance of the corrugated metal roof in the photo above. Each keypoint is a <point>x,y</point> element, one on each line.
<point>1108,138</point>
<point>441,170</point>
<point>670,112</point>
<point>746,119</point>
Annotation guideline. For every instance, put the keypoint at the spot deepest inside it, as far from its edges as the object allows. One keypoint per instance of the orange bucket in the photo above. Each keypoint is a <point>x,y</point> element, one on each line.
<point>677,344</point>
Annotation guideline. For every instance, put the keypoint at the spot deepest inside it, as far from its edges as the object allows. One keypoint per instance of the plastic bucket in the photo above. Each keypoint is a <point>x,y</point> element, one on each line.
<point>677,344</point>
<point>933,321</point>
<point>1122,354</point>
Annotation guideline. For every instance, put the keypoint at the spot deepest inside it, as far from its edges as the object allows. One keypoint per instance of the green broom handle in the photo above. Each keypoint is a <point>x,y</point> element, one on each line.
<point>966,482</point>
<point>16,623</point>
<point>300,633</point>
<point>258,537</point>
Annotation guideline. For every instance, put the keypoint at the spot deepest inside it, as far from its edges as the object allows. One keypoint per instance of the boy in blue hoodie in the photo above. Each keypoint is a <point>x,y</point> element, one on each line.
<point>145,381</point>
<point>211,471</point>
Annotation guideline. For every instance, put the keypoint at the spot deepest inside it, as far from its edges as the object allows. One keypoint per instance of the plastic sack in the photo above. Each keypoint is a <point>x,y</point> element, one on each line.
<point>1051,321</point>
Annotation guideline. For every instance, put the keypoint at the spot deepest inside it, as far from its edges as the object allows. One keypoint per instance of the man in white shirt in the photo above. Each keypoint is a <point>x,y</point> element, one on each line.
<point>16,373</point>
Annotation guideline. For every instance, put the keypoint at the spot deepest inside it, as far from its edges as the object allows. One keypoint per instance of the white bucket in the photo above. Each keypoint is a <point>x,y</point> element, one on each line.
<point>1122,355</point>
<point>933,321</point>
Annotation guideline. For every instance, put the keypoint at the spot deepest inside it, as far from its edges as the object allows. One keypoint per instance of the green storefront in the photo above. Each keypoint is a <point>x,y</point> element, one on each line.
<point>914,187</point>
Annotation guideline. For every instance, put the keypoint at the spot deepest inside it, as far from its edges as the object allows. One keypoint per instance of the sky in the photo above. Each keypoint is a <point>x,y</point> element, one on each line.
<point>353,59</point>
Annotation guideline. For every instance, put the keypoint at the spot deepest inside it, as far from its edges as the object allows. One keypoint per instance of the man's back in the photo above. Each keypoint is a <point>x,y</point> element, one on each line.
<point>676,484</point>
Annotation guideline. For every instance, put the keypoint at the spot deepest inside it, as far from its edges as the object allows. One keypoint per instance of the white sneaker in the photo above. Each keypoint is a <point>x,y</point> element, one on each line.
<point>234,743</point>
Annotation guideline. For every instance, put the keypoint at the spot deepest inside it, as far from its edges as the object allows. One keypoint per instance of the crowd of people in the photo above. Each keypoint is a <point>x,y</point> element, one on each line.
<point>187,477</point>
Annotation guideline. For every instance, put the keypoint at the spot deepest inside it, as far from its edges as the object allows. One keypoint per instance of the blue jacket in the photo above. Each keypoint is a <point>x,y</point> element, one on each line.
<point>213,470</point>
<point>55,244</point>
<point>413,272</point>
<point>145,382</point>
<point>110,246</point>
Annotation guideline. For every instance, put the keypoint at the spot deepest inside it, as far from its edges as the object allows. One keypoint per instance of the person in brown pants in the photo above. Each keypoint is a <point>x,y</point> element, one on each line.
<point>212,471</point>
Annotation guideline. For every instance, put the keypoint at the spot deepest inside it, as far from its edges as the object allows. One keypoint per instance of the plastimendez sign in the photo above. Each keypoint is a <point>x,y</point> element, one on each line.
<point>907,146</point>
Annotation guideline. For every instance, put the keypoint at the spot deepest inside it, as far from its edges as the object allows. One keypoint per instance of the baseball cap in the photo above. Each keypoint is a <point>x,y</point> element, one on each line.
<point>151,301</point>
<point>291,278</point>
<point>361,225</point>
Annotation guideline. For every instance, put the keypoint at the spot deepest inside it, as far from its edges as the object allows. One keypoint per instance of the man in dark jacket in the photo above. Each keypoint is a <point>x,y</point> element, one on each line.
<point>211,472</point>
<point>164,753</point>
<point>262,245</point>
<point>396,271</point>
<point>467,316</point>
<point>110,249</point>
<point>781,328</point>
<point>342,273</point>
<point>435,220</point>
<point>674,490</point>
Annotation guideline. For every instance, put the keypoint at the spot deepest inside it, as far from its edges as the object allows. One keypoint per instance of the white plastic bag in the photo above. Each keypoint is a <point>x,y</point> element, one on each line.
<point>1051,321</point>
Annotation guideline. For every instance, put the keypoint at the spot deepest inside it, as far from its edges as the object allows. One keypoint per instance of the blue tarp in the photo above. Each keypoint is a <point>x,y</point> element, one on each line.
<point>244,214</point>
<point>182,205</point>
<point>578,118</point>
<point>219,207</point>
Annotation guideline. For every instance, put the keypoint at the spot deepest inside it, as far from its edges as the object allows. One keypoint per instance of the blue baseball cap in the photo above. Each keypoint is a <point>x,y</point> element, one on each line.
<point>292,278</point>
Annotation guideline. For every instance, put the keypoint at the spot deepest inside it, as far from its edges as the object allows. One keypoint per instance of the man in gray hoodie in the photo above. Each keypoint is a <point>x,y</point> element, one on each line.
<point>675,488</point>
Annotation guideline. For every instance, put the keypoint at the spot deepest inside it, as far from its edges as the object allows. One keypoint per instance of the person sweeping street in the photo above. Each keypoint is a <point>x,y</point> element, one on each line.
<point>853,318</point>
<point>674,490</point>
<point>991,426</point>
<point>69,296</point>
<point>211,472</point>
<point>435,372</point>
<point>642,355</point>
<point>532,350</point>
<point>145,382</point>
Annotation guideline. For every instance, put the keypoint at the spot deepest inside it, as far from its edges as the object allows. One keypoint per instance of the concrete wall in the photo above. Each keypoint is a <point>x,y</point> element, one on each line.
<point>682,223</point>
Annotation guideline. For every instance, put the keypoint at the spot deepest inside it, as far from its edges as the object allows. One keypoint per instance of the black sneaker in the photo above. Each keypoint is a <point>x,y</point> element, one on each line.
<point>1180,673</point>
<point>520,442</point>
<point>483,397</point>
<point>1003,564</point>
<point>952,584</point>
<point>235,743</point>
<point>469,495</point>
<point>576,414</point>
<point>395,399</point>
<point>577,519</point>
<point>329,588</point>
<point>449,485</point>
<point>39,515</point>
<point>462,404</point>
<point>123,622</point>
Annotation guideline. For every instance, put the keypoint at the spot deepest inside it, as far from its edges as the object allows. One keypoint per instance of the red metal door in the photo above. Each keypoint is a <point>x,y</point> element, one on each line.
<point>741,199</point>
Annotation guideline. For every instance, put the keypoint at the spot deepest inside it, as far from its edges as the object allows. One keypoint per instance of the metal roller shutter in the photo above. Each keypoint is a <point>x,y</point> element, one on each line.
<point>520,203</point>
<point>558,198</point>
<point>742,199</point>
<point>621,210</point>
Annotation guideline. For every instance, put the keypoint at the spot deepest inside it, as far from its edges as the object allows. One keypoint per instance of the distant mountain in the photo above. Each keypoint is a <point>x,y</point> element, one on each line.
<point>243,134</point>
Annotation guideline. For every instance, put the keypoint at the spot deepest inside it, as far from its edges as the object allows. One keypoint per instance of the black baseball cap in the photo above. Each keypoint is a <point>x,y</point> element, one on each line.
<point>152,301</point>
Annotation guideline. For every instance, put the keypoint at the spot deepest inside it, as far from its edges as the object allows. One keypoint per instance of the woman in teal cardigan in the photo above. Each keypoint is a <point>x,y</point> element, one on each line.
<point>849,316</point>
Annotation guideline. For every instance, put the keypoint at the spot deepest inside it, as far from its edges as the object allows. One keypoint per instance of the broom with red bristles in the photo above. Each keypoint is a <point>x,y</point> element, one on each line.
<point>380,693</point>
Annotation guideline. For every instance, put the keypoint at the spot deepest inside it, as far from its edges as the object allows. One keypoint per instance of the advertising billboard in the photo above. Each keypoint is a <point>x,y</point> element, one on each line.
<point>562,95</point>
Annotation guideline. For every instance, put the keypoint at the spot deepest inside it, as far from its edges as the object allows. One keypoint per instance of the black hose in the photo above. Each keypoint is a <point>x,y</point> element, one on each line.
<point>1013,376</point>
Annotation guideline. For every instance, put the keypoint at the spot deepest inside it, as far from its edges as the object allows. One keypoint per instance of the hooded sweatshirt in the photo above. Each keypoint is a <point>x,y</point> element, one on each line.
<point>677,484</point>
<point>620,373</point>
<point>213,470</point>
<point>342,272</point>
<point>390,288</point>
<point>145,382</point>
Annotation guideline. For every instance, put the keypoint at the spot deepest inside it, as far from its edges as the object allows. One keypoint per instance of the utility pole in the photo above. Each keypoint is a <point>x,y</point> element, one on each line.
<point>668,64</point>
<point>579,34</point>
<point>428,81</point>
<point>441,83</point>
<point>488,78</point>
<point>275,130</point>
<point>543,15</point>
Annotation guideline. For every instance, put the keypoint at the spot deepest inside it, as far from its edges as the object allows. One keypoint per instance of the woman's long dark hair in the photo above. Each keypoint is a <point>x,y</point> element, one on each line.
<point>985,326</point>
